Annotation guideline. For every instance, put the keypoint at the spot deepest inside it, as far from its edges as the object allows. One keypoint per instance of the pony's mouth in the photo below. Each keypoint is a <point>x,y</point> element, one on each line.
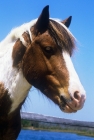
<point>65,107</point>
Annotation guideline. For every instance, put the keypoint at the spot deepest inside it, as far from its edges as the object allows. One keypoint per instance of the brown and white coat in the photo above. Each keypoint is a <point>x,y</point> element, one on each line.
<point>37,53</point>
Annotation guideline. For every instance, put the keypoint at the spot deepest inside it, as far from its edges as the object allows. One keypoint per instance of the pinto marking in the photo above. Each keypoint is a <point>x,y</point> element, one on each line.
<point>15,82</point>
<point>37,53</point>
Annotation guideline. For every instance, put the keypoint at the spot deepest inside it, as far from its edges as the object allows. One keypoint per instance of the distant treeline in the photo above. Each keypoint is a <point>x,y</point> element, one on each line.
<point>36,125</point>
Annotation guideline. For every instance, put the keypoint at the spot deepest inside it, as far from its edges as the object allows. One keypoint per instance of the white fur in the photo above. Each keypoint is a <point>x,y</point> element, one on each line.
<point>74,82</point>
<point>13,80</point>
<point>14,35</point>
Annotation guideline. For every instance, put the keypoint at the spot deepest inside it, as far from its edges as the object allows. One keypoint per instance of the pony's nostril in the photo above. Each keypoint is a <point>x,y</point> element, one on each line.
<point>77,95</point>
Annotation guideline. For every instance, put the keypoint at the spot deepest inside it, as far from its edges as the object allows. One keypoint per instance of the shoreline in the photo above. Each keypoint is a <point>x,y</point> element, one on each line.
<point>83,133</point>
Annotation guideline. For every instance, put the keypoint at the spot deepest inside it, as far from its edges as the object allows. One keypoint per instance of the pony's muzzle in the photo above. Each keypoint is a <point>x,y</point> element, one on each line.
<point>72,104</point>
<point>77,101</point>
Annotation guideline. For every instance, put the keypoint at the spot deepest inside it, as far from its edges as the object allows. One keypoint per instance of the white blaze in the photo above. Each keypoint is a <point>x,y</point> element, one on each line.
<point>74,82</point>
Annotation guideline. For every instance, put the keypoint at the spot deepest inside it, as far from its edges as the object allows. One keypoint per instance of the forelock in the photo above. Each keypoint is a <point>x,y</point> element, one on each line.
<point>62,36</point>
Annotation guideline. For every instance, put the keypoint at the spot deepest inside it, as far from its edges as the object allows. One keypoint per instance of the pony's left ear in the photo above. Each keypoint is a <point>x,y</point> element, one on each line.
<point>67,21</point>
<point>43,21</point>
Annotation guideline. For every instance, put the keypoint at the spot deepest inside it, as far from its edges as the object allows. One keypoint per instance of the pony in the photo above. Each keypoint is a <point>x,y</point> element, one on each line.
<point>37,54</point>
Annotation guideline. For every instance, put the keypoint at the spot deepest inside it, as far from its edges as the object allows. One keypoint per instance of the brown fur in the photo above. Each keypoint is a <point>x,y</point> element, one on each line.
<point>18,52</point>
<point>9,123</point>
<point>42,69</point>
<point>10,126</point>
<point>5,102</point>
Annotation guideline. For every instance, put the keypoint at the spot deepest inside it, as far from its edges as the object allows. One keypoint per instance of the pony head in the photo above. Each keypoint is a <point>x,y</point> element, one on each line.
<point>47,62</point>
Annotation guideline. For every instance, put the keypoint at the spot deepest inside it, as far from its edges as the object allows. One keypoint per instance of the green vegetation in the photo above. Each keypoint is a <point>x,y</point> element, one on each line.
<point>35,125</point>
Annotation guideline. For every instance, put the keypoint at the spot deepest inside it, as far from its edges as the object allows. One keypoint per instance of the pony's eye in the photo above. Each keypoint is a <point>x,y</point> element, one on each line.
<point>49,49</point>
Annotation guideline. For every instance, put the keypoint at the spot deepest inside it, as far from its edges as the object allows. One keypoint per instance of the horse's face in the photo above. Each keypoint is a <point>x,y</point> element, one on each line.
<point>48,67</point>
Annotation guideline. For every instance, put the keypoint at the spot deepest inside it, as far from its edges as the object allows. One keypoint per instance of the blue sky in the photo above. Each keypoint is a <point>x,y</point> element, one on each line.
<point>17,12</point>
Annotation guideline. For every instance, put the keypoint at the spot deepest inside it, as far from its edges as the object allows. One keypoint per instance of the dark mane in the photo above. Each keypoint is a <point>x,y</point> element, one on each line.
<point>61,36</point>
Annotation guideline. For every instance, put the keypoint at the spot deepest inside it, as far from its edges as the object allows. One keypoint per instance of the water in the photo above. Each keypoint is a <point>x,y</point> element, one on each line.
<point>46,135</point>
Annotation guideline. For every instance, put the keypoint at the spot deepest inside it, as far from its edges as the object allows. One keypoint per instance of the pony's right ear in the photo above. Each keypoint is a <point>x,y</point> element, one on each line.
<point>67,21</point>
<point>43,21</point>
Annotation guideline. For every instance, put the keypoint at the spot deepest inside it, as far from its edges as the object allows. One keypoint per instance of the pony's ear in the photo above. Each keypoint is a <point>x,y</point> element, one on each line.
<point>67,21</point>
<point>43,21</point>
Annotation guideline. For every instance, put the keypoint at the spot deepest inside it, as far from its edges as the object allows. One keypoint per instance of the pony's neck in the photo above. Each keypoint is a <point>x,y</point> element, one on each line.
<point>18,89</point>
<point>13,80</point>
